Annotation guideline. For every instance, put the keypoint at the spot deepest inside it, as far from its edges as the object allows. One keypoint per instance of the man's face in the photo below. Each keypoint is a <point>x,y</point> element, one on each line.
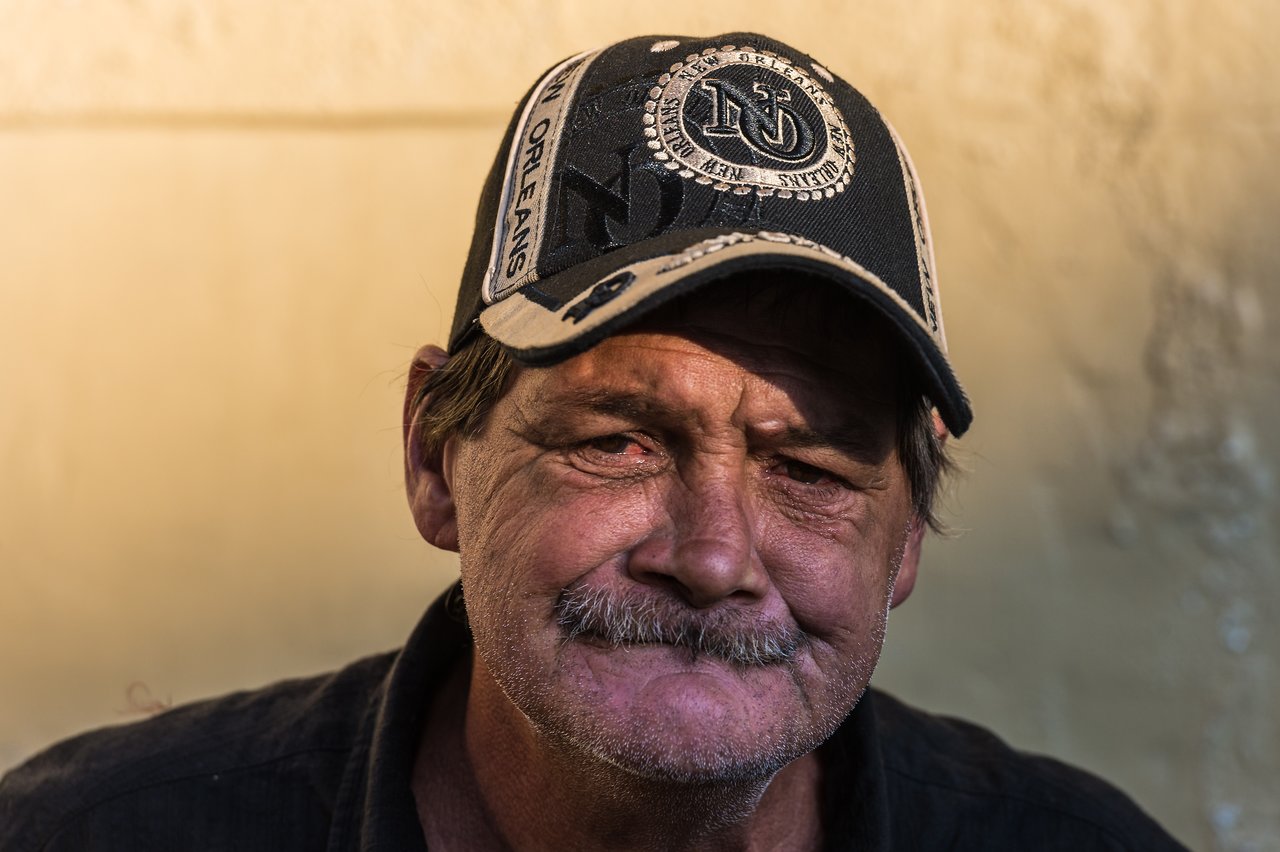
<point>678,549</point>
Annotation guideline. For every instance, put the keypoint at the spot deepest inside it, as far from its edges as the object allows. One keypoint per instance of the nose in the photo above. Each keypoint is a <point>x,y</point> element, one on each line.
<point>706,552</point>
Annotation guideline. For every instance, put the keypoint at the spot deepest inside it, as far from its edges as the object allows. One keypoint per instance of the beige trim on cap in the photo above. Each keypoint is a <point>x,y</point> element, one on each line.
<point>525,325</point>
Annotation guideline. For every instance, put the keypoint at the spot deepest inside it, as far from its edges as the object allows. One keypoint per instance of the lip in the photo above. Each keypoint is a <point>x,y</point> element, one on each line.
<point>602,644</point>
<point>644,680</point>
<point>732,639</point>
<point>664,654</point>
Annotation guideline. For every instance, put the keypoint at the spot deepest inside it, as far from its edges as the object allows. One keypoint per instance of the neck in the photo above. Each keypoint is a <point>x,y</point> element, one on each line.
<point>486,779</point>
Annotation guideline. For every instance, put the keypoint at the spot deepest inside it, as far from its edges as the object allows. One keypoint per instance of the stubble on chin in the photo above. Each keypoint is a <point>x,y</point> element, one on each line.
<point>560,700</point>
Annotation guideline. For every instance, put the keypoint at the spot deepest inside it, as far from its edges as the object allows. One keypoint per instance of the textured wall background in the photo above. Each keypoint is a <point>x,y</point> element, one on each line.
<point>225,226</point>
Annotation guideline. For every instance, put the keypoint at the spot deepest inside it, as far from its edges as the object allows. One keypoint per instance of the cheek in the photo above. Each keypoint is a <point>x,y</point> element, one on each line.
<point>836,587</point>
<point>533,536</point>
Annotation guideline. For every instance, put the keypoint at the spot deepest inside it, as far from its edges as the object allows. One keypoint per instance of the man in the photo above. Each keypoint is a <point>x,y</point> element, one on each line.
<point>684,441</point>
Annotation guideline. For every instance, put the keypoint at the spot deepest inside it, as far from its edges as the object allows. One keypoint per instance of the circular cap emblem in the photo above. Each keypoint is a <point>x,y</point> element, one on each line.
<point>742,119</point>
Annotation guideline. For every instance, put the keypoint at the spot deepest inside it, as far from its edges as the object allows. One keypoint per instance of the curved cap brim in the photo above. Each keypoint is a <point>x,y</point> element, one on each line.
<point>538,329</point>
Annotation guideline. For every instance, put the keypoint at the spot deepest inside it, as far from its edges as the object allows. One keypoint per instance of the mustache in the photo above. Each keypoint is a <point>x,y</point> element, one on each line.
<point>630,618</point>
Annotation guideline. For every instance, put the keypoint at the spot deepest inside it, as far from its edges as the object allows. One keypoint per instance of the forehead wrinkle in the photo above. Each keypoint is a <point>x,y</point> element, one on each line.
<point>627,404</point>
<point>760,357</point>
<point>839,415</point>
<point>825,404</point>
<point>653,374</point>
<point>801,367</point>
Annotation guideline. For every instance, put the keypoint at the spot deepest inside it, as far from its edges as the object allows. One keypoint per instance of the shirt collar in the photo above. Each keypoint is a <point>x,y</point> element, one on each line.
<point>375,809</point>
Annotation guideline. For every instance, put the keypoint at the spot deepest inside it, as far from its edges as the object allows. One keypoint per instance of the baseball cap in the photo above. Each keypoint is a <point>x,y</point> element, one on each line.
<point>641,171</point>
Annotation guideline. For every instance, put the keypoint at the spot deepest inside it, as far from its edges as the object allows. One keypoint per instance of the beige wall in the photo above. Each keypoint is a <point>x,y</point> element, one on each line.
<point>225,226</point>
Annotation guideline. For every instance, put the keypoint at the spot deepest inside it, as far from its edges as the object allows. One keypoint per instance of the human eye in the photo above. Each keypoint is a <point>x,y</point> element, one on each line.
<point>807,492</point>
<point>616,445</point>
<point>807,474</point>
<point>616,454</point>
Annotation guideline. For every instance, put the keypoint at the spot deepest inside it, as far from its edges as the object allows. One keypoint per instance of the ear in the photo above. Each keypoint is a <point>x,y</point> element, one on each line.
<point>428,479</point>
<point>906,579</point>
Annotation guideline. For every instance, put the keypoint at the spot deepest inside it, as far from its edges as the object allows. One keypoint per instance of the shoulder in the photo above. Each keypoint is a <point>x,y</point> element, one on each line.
<point>950,778</point>
<point>243,757</point>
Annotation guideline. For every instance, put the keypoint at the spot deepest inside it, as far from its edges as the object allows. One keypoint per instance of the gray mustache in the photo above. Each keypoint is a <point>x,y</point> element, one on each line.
<point>632,619</point>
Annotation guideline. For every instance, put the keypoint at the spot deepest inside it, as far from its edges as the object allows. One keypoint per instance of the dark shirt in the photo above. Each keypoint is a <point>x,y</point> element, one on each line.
<point>325,764</point>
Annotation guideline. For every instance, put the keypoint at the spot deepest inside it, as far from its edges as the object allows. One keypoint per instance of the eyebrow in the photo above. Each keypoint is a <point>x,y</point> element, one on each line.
<point>855,438</point>
<point>628,405</point>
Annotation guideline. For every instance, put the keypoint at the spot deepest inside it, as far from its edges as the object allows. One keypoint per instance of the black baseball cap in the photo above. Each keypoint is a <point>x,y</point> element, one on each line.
<point>644,170</point>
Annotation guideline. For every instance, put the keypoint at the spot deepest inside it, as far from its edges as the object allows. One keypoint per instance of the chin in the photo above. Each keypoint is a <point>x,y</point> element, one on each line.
<point>654,713</point>
<point>640,745</point>
<point>714,763</point>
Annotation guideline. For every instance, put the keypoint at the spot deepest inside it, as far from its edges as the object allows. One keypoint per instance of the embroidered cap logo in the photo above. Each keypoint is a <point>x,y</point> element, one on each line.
<point>744,120</point>
<point>767,124</point>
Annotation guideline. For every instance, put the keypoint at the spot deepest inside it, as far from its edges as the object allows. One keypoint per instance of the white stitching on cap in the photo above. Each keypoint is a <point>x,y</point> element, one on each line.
<point>660,46</point>
<point>924,244</point>
<point>714,244</point>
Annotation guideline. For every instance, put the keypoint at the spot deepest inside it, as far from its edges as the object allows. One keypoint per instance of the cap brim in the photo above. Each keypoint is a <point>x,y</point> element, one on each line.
<point>615,290</point>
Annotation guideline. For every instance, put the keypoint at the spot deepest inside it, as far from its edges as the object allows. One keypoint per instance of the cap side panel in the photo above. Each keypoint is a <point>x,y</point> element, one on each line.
<point>929,292</point>
<point>522,206</point>
<point>470,299</point>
